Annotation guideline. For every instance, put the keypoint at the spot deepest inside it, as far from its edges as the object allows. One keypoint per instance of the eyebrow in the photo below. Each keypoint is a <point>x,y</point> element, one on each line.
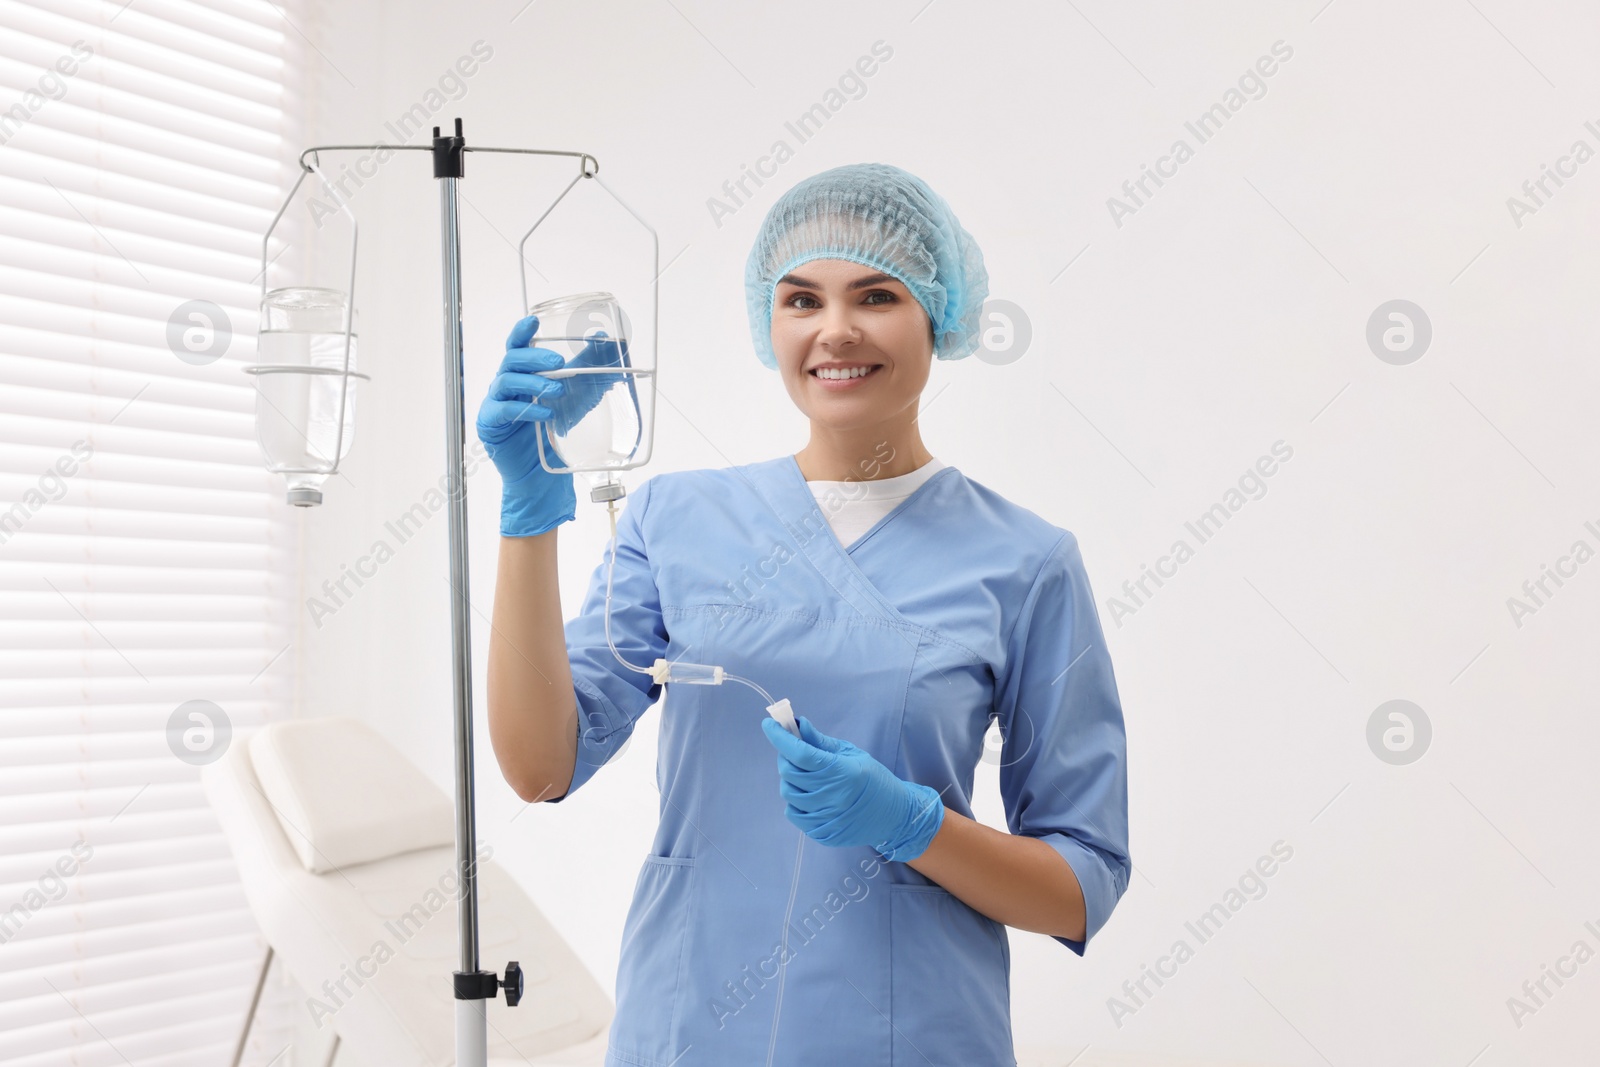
<point>859,283</point>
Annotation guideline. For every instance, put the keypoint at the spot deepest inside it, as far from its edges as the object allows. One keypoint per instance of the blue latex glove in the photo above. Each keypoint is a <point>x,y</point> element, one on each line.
<point>840,795</point>
<point>532,499</point>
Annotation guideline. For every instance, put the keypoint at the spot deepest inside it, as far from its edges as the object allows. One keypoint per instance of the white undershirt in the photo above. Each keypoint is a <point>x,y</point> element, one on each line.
<point>854,507</point>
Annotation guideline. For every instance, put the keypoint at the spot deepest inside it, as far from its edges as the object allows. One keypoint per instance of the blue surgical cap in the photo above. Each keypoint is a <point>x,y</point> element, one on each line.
<point>881,217</point>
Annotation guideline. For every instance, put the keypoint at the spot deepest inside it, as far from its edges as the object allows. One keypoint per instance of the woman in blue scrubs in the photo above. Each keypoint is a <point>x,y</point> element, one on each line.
<point>899,621</point>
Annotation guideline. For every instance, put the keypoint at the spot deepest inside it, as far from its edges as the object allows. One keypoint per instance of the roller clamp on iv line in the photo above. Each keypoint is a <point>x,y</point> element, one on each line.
<point>304,424</point>
<point>665,671</point>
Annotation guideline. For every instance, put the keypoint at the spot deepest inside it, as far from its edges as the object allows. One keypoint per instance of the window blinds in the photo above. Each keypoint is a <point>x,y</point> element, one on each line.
<point>146,559</point>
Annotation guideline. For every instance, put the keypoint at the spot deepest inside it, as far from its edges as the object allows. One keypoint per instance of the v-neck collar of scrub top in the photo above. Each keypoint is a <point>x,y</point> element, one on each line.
<point>791,498</point>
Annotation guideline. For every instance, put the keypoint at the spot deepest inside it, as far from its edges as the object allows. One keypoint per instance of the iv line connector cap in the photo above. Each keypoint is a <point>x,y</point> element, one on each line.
<point>607,491</point>
<point>783,712</point>
<point>305,498</point>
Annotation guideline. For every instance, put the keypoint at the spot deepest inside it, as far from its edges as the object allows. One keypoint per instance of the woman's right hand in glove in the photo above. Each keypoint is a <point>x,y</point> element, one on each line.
<point>533,500</point>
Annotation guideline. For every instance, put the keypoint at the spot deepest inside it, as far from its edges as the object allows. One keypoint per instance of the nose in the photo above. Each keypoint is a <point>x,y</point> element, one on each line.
<point>838,328</point>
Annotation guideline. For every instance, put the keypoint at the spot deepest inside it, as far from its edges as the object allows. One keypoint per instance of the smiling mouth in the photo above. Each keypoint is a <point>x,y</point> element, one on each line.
<point>844,374</point>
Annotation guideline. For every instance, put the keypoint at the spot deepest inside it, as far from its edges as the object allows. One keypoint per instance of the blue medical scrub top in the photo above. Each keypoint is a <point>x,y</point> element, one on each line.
<point>956,609</point>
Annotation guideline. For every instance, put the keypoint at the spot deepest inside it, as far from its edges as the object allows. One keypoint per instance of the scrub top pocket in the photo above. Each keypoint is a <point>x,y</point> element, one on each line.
<point>650,972</point>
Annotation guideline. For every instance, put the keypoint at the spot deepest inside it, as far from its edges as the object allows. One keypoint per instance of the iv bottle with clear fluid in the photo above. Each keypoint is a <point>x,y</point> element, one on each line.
<point>305,399</point>
<point>602,423</point>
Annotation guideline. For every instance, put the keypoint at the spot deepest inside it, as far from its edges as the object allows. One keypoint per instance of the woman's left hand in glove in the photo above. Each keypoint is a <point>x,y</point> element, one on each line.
<point>840,795</point>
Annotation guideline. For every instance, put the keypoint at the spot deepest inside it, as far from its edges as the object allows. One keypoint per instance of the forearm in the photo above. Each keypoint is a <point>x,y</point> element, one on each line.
<point>533,715</point>
<point>1015,880</point>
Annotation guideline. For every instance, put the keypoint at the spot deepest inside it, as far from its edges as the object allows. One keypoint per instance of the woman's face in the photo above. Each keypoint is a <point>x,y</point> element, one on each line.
<point>832,317</point>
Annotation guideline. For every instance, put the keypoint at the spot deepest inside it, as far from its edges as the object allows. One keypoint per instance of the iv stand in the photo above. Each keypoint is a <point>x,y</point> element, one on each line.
<point>473,986</point>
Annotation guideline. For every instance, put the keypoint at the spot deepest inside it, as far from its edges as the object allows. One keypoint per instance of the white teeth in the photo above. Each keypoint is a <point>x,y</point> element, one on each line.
<point>835,374</point>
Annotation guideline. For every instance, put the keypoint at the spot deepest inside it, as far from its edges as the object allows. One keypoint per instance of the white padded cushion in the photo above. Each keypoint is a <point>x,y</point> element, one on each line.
<point>344,795</point>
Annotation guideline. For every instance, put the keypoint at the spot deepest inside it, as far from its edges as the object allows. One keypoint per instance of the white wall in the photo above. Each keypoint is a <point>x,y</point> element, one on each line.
<point>1228,313</point>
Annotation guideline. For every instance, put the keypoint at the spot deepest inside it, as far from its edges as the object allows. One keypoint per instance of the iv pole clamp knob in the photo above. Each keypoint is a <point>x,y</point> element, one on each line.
<point>485,985</point>
<point>512,983</point>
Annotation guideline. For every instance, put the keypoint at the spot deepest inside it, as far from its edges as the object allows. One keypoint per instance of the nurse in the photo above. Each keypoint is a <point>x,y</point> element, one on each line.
<point>901,607</point>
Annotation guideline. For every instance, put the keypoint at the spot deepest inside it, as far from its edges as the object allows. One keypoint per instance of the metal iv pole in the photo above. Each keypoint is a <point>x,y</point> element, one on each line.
<point>473,986</point>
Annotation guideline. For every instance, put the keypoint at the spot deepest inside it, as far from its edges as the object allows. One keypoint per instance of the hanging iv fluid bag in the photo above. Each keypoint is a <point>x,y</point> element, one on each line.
<point>306,385</point>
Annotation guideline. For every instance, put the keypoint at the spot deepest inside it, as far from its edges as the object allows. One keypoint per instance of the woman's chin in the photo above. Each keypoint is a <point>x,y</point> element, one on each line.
<point>841,415</point>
